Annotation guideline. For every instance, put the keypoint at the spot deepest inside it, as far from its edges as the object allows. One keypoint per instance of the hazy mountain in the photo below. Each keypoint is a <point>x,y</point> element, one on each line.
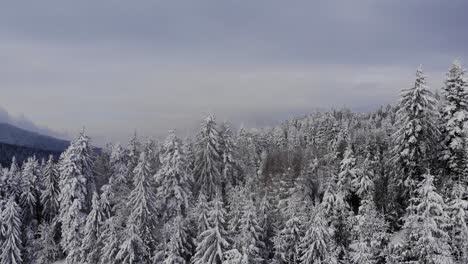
<point>13,135</point>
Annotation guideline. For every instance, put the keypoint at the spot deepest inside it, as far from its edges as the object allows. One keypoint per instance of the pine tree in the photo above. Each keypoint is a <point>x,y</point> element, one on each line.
<point>48,248</point>
<point>427,241</point>
<point>50,194</point>
<point>11,233</point>
<point>348,172</point>
<point>14,179</point>
<point>180,244</point>
<point>251,234</point>
<point>30,194</point>
<point>287,241</point>
<point>173,179</point>
<point>213,242</point>
<point>457,209</point>
<point>111,241</point>
<point>91,246</point>
<point>455,115</point>
<point>208,159</point>
<point>201,214</point>
<point>416,134</point>
<point>133,249</point>
<point>76,184</point>
<point>119,167</point>
<point>317,246</point>
<point>142,204</point>
<point>227,150</point>
<point>134,150</point>
<point>265,221</point>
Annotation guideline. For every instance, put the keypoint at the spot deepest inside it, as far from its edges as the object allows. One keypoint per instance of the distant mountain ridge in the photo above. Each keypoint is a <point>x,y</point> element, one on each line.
<point>13,135</point>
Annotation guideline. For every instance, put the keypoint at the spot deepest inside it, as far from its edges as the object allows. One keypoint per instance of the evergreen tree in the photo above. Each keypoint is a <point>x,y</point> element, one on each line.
<point>119,167</point>
<point>51,193</point>
<point>142,204</point>
<point>416,132</point>
<point>134,150</point>
<point>251,234</point>
<point>30,194</point>
<point>348,172</point>
<point>457,209</point>
<point>316,246</point>
<point>133,249</point>
<point>11,233</point>
<point>227,150</point>
<point>48,248</point>
<point>76,183</point>
<point>173,179</point>
<point>427,241</point>
<point>111,241</point>
<point>180,244</point>
<point>201,214</point>
<point>91,246</point>
<point>14,180</point>
<point>455,115</point>
<point>208,159</point>
<point>213,242</point>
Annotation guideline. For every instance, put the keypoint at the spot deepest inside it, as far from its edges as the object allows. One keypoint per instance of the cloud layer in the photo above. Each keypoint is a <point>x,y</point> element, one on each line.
<point>117,66</point>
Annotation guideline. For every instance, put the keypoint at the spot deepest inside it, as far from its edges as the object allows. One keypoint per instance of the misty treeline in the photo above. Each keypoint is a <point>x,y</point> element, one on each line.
<point>332,187</point>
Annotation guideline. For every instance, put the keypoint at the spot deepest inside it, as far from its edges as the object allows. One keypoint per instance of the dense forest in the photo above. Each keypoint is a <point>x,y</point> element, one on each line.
<point>388,186</point>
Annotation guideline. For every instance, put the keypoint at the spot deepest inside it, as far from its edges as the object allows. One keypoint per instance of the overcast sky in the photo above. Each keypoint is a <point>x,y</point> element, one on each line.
<point>116,66</point>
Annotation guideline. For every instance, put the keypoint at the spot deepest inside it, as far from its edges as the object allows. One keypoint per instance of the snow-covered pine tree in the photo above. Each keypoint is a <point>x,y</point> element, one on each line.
<point>455,115</point>
<point>133,249</point>
<point>338,214</point>
<point>251,234</point>
<point>13,179</point>
<point>427,241</point>
<point>236,197</point>
<point>142,205</point>
<point>119,168</point>
<point>228,154</point>
<point>266,223</point>
<point>208,166</point>
<point>200,214</point>
<point>51,193</point>
<point>30,190</point>
<point>48,248</point>
<point>287,240</point>
<point>457,209</point>
<point>11,233</point>
<point>348,172</point>
<point>416,133</point>
<point>134,150</point>
<point>92,244</point>
<point>180,244</point>
<point>213,242</point>
<point>76,185</point>
<point>317,245</point>
<point>111,241</point>
<point>173,179</point>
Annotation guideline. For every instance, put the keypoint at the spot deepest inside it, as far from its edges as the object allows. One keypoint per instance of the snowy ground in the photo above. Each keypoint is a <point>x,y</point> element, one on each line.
<point>59,262</point>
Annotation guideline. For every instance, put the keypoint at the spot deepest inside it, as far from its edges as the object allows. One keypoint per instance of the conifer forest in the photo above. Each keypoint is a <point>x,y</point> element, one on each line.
<point>334,186</point>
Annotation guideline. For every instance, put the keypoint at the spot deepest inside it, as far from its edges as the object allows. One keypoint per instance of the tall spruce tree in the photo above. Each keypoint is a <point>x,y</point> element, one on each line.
<point>208,166</point>
<point>317,245</point>
<point>455,116</point>
<point>142,206</point>
<point>427,241</point>
<point>51,193</point>
<point>11,234</point>
<point>92,243</point>
<point>76,185</point>
<point>173,179</point>
<point>213,242</point>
